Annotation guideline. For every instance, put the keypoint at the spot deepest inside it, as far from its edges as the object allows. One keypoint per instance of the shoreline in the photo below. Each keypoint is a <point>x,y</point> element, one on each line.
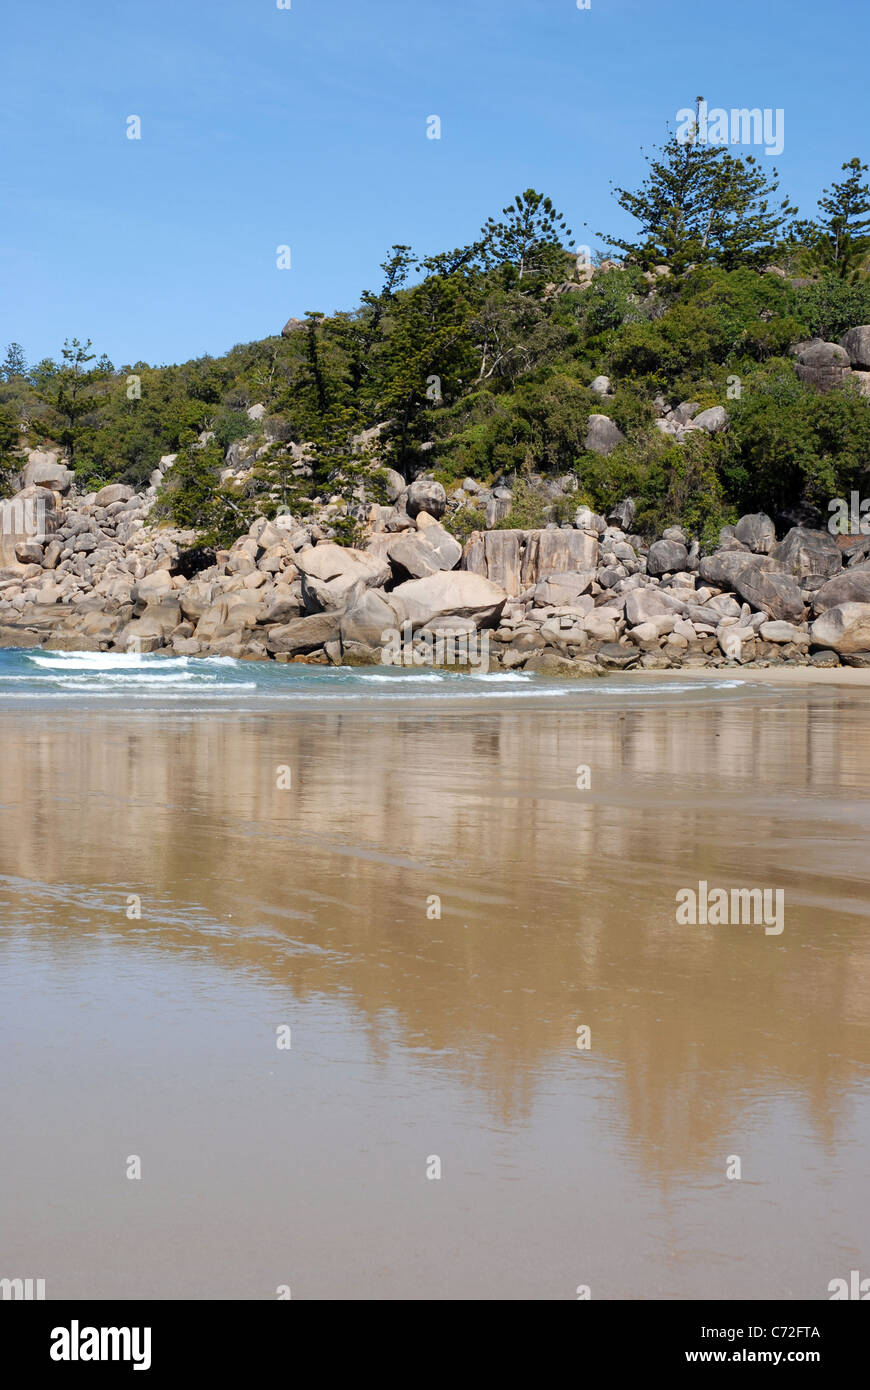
<point>578,601</point>
<point>748,674</point>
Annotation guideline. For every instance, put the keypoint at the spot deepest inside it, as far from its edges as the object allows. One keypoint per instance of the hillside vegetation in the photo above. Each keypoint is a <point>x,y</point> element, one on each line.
<point>479,363</point>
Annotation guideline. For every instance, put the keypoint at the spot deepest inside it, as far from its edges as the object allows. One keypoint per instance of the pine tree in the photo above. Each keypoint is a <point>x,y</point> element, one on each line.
<point>14,363</point>
<point>700,203</point>
<point>9,440</point>
<point>845,228</point>
<point>67,392</point>
<point>531,237</point>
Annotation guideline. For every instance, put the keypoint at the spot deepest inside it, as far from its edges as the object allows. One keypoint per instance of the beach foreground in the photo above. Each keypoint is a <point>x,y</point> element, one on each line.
<point>433,888</point>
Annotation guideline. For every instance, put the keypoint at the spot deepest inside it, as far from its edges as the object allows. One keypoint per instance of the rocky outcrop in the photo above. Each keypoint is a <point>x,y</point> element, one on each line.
<point>823,365</point>
<point>44,469</point>
<point>602,435</point>
<point>587,598</point>
<point>757,532</point>
<point>456,595</point>
<point>28,522</point>
<point>518,560</point>
<point>419,553</point>
<point>844,629</point>
<point>808,553</point>
<point>426,496</point>
<point>666,557</point>
<point>856,345</point>
<point>850,586</point>
<point>712,420</point>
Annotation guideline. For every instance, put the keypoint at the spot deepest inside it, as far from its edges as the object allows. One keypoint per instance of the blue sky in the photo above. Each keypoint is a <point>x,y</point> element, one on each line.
<point>306,127</point>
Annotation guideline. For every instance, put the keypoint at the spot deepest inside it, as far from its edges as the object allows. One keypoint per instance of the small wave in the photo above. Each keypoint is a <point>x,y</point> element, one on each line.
<point>502,677</point>
<point>103,661</point>
<point>373,678</point>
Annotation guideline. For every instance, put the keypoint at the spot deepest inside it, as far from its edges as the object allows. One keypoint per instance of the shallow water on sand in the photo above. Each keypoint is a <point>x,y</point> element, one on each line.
<point>415,1036</point>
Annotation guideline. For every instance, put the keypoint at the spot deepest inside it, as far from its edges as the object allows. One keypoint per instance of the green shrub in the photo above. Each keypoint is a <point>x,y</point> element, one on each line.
<point>831,306</point>
<point>463,522</point>
<point>528,508</point>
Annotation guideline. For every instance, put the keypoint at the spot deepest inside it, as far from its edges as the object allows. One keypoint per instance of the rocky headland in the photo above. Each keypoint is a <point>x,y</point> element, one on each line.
<point>582,597</point>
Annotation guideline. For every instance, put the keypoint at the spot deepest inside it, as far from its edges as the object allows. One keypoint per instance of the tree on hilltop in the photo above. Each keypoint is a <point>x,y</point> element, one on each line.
<point>840,238</point>
<point>700,203</point>
<point>531,237</point>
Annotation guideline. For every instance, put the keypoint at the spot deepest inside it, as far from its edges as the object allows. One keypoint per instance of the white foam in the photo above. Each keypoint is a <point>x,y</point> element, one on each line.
<point>104,661</point>
<point>371,677</point>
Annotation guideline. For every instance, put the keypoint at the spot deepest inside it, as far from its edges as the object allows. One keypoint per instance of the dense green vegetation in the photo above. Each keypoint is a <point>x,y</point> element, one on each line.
<point>480,360</point>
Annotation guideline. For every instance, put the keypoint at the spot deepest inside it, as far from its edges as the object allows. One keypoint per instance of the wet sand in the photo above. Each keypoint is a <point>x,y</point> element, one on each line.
<point>415,1037</point>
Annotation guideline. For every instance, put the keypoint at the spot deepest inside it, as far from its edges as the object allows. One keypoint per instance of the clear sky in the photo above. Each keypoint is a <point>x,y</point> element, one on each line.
<point>307,127</point>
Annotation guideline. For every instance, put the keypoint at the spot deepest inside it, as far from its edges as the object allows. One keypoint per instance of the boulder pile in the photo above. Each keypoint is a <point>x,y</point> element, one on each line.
<point>583,597</point>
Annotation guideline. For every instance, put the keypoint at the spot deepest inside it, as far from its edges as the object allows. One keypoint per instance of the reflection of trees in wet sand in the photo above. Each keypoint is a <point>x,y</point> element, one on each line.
<point>557,904</point>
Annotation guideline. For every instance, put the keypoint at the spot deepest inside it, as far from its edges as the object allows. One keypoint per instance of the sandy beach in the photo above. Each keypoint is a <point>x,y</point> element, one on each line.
<point>432,909</point>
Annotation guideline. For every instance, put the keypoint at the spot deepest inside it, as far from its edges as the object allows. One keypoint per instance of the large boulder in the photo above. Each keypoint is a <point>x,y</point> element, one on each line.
<point>518,560</point>
<point>844,629</point>
<point>425,551</point>
<point>341,567</point>
<point>369,615</point>
<point>303,634</point>
<point>282,607</point>
<point>268,534</point>
<point>323,597</point>
<point>159,619</point>
<point>497,555</point>
<point>564,590</point>
<point>645,605</point>
<point>823,365</point>
<point>426,496</point>
<point>725,567</point>
<point>227,616</point>
<point>758,579</point>
<point>805,553</point>
<point>666,557</point>
<point>152,586</point>
<point>196,597</point>
<point>455,594</point>
<point>554,552</point>
<point>44,469</point>
<point>622,515</point>
<point>602,435</point>
<point>394,483</point>
<point>757,532</point>
<point>712,420</point>
<point>772,592</point>
<point>856,343</point>
<point>30,516</point>
<point>784,632</point>
<point>113,492</point>
<point>850,586</point>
